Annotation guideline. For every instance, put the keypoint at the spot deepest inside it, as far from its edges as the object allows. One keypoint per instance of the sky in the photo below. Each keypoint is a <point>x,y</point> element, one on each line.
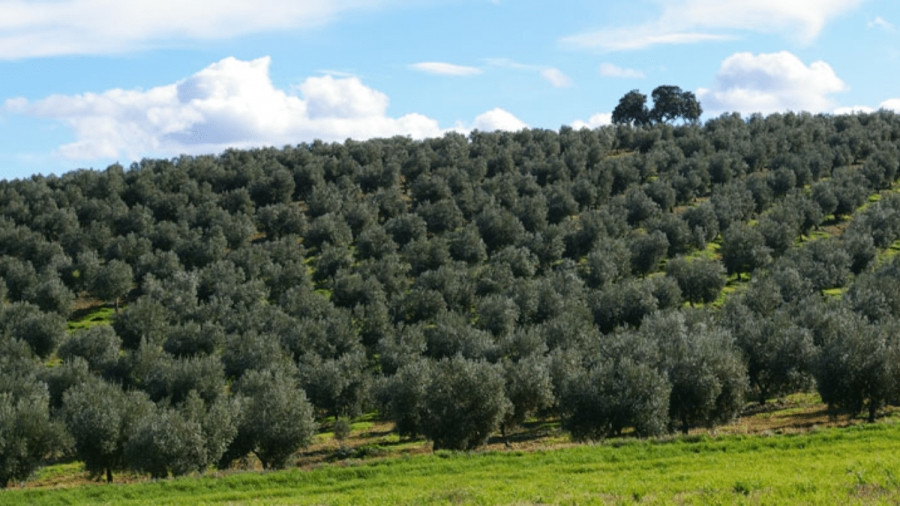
<point>89,83</point>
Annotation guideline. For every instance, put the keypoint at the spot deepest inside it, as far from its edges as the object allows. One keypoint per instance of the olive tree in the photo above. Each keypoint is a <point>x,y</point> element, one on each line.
<point>42,331</point>
<point>700,280</point>
<point>647,251</point>
<point>27,433</point>
<point>164,441</point>
<point>528,388</point>
<point>704,367</point>
<point>743,249</point>
<point>338,386</point>
<point>401,397</point>
<point>779,354</point>
<point>275,419</point>
<point>859,365</point>
<point>183,439</point>
<point>98,345</point>
<point>611,396</point>
<point>101,418</point>
<point>112,281</point>
<point>464,403</point>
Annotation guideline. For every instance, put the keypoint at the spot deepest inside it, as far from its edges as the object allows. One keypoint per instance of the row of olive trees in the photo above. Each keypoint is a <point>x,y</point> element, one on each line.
<point>69,410</point>
<point>672,374</point>
<point>678,370</point>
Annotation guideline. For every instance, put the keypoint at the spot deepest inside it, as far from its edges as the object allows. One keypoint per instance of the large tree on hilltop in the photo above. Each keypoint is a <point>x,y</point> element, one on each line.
<point>632,109</point>
<point>669,103</point>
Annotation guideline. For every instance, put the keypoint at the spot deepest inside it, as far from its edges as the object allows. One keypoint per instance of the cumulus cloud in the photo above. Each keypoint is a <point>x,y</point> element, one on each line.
<point>772,82</point>
<point>595,121</point>
<point>327,97</point>
<point>693,21</point>
<point>445,69</point>
<point>63,27</point>
<point>498,119</point>
<point>232,103</point>
<point>892,104</point>
<point>611,70</point>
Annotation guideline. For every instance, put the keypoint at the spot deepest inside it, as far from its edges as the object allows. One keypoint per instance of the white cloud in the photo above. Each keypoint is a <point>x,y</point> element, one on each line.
<point>16,105</point>
<point>556,77</point>
<point>552,75</point>
<point>445,69</point>
<point>595,121</point>
<point>231,103</point>
<point>796,18</point>
<point>892,104</point>
<point>327,97</point>
<point>854,109</point>
<point>772,82</point>
<point>692,21</point>
<point>41,28</point>
<point>880,22</point>
<point>611,70</point>
<point>498,119</point>
<point>626,39</point>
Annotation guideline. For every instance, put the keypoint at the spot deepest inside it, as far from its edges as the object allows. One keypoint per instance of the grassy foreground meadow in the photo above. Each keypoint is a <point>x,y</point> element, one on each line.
<point>858,464</point>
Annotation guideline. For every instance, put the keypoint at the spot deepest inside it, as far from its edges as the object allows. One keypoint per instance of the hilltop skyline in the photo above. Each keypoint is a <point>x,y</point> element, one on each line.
<point>86,84</point>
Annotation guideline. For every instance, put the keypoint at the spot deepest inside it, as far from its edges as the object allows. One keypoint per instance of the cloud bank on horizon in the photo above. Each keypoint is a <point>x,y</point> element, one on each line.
<point>233,103</point>
<point>746,56</point>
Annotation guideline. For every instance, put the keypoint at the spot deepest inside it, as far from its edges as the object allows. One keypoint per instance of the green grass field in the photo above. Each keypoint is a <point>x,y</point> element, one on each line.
<point>842,465</point>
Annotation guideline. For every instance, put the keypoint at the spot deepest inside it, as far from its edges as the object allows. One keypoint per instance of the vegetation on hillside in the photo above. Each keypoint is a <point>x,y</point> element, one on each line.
<point>223,306</point>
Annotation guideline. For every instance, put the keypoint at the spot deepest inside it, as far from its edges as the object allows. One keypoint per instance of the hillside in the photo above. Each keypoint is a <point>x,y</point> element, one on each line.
<point>202,312</point>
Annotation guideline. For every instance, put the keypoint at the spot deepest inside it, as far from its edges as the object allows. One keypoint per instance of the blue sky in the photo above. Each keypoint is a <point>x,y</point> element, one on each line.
<point>87,83</point>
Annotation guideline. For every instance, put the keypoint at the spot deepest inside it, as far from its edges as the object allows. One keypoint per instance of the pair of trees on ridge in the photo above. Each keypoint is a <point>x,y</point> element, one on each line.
<point>669,103</point>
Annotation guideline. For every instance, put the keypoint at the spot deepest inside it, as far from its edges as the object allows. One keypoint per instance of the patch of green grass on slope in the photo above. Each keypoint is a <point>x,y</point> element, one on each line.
<point>858,465</point>
<point>95,316</point>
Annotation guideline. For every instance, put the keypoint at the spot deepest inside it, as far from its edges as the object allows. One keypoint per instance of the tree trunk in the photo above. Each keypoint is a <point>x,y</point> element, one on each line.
<point>263,462</point>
